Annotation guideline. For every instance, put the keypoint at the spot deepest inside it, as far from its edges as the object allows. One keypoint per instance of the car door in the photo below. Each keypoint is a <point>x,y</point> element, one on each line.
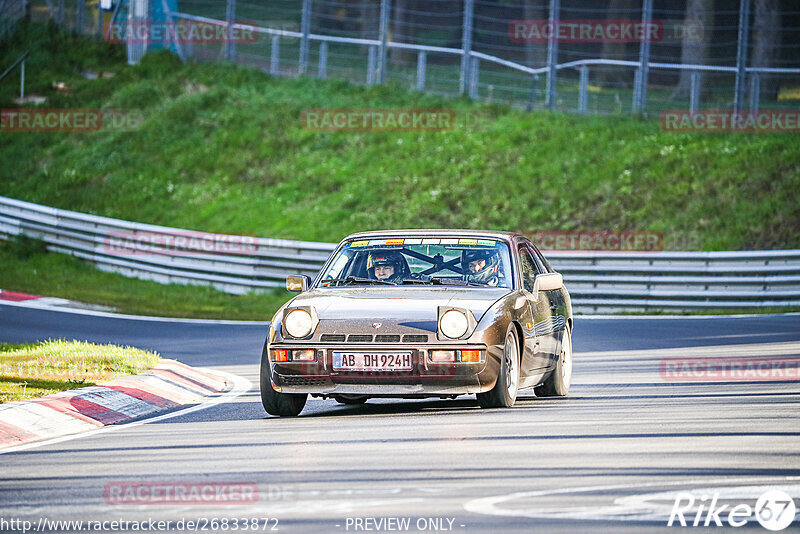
<point>551,328</point>
<point>538,357</point>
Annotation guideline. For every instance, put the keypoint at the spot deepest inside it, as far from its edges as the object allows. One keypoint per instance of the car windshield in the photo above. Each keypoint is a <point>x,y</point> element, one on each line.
<point>457,261</point>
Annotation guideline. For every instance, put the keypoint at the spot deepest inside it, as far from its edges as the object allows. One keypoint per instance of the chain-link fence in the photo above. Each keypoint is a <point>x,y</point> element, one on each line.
<point>606,56</point>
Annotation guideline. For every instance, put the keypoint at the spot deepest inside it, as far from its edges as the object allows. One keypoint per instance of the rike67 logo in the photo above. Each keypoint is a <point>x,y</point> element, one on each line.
<point>774,510</point>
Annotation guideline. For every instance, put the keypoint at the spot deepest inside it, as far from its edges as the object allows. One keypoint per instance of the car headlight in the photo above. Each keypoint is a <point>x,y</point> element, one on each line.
<point>298,323</point>
<point>453,324</point>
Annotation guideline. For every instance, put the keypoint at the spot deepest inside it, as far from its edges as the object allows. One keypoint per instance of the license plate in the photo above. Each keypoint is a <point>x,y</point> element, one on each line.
<point>372,361</point>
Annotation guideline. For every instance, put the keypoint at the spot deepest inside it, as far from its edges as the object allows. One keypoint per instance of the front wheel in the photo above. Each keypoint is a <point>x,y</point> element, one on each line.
<point>504,392</point>
<point>275,403</point>
<point>557,384</point>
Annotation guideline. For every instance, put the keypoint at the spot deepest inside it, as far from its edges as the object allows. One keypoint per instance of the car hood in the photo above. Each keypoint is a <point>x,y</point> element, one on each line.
<point>395,304</point>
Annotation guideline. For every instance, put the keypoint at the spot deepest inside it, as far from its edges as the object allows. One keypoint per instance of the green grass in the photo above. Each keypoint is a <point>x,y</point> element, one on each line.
<point>221,149</point>
<point>28,371</point>
<point>29,268</point>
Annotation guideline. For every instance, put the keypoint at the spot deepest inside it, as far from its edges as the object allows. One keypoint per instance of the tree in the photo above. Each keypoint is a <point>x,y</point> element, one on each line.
<point>535,53</point>
<point>766,34</point>
<point>698,24</point>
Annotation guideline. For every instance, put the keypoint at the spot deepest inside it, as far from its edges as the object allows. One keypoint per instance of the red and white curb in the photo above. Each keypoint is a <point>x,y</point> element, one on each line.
<point>168,385</point>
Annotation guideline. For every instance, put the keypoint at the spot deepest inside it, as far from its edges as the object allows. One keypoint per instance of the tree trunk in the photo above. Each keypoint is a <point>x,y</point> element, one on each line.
<point>698,24</point>
<point>616,49</point>
<point>370,19</point>
<point>535,53</point>
<point>766,34</point>
<point>401,30</point>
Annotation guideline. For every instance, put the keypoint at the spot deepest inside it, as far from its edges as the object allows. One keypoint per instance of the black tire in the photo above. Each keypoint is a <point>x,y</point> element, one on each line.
<point>504,392</point>
<point>350,399</point>
<point>280,404</point>
<point>557,384</point>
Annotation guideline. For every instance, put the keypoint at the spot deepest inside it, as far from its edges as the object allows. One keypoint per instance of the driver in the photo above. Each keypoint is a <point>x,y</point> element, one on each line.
<point>387,266</point>
<point>481,266</point>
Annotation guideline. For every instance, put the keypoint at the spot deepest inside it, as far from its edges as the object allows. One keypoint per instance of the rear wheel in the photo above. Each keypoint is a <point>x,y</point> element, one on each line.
<point>275,403</point>
<point>350,399</point>
<point>557,384</point>
<point>504,392</point>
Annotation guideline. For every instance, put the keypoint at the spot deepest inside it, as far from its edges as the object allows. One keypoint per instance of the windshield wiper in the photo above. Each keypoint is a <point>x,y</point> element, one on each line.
<point>440,281</point>
<point>356,280</point>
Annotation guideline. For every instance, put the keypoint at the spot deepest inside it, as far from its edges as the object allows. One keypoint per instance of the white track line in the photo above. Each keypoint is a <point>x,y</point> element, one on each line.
<point>95,313</point>
<point>241,386</point>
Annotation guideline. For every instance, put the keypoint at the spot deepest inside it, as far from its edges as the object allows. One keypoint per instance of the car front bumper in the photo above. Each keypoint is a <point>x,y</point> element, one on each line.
<point>425,377</point>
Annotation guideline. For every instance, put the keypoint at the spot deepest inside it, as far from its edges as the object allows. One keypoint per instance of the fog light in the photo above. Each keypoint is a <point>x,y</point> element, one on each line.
<point>470,356</point>
<point>442,356</point>
<point>305,355</point>
<point>280,355</point>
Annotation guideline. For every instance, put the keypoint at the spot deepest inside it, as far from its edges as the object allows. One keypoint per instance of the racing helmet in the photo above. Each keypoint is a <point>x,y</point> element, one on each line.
<point>489,273</point>
<point>388,257</point>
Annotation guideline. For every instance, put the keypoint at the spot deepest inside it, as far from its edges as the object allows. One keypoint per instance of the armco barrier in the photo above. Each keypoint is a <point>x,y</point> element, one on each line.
<point>599,282</point>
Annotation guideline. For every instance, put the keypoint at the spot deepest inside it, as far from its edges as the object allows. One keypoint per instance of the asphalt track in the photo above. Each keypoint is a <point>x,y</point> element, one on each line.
<point>610,457</point>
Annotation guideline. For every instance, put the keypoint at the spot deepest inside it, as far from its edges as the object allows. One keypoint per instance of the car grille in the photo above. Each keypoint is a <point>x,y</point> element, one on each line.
<point>290,380</point>
<point>380,338</point>
<point>359,338</point>
<point>368,338</point>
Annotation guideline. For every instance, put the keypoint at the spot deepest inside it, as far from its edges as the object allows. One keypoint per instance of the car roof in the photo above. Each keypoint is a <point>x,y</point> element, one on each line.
<point>506,236</point>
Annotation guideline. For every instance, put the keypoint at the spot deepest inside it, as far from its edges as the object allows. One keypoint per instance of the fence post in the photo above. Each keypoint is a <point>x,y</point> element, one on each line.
<point>755,91</point>
<point>466,46</point>
<point>100,19</point>
<point>552,54</point>
<point>79,16</point>
<point>473,77</point>
<point>22,80</point>
<point>532,97</point>
<point>383,35</point>
<point>694,94</point>
<point>371,58</point>
<point>640,90</point>
<point>741,54</point>
<point>275,56</point>
<point>583,95</point>
<point>322,70</point>
<point>230,18</point>
<point>421,59</point>
<point>305,28</point>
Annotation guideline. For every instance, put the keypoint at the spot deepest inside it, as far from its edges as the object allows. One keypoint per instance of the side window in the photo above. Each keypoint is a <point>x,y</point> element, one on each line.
<point>547,267</point>
<point>528,268</point>
<point>540,268</point>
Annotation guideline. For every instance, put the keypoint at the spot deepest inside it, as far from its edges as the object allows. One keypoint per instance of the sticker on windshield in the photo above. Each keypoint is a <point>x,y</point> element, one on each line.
<point>467,241</point>
<point>359,244</point>
<point>486,242</point>
<point>395,241</point>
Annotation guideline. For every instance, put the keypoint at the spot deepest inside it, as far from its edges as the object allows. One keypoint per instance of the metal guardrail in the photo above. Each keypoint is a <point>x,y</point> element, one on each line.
<point>599,282</point>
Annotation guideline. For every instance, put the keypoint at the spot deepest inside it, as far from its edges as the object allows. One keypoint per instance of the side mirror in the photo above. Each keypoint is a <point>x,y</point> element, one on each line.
<point>297,283</point>
<point>550,281</point>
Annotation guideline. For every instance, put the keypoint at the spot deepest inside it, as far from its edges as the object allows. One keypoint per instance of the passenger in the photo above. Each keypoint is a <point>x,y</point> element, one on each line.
<point>482,266</point>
